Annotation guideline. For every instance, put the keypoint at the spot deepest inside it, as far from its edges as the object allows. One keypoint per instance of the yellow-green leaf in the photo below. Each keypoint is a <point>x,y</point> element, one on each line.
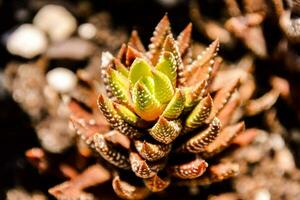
<point>175,106</point>
<point>121,68</point>
<point>163,89</point>
<point>200,113</point>
<point>145,105</point>
<point>139,69</point>
<point>166,65</point>
<point>128,116</point>
<point>119,85</point>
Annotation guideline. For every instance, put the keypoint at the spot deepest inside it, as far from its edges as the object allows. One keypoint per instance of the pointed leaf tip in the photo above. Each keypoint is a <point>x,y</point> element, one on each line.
<point>165,131</point>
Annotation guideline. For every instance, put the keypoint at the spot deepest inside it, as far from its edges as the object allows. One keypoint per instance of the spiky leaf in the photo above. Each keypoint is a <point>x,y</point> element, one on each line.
<point>222,97</point>
<point>156,183</point>
<point>111,153</point>
<point>189,170</point>
<point>159,35</point>
<point>224,139</point>
<point>199,113</point>
<point>128,116</point>
<point>194,94</point>
<point>166,65</point>
<point>204,58</point>
<point>139,68</point>
<point>141,168</point>
<point>165,131</point>
<point>145,105</point>
<point>106,107</point>
<point>119,85</point>
<point>171,46</point>
<point>184,38</point>
<point>152,151</point>
<point>127,191</point>
<point>219,172</point>
<point>136,42</point>
<point>175,106</point>
<point>163,90</point>
<point>197,143</point>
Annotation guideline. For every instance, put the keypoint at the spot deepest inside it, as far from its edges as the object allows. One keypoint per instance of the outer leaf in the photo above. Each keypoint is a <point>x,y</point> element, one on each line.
<point>200,113</point>
<point>106,107</point>
<point>214,173</point>
<point>175,106</point>
<point>163,90</point>
<point>145,105</point>
<point>159,35</point>
<point>111,153</point>
<point>165,131</point>
<point>127,191</point>
<point>170,45</point>
<point>136,42</point>
<point>141,168</point>
<point>224,139</point>
<point>166,65</point>
<point>189,170</point>
<point>219,172</point>
<point>119,85</point>
<point>193,95</point>
<point>199,142</point>
<point>126,114</point>
<point>205,57</point>
<point>152,151</point>
<point>157,184</point>
<point>184,39</point>
<point>222,97</point>
<point>139,69</point>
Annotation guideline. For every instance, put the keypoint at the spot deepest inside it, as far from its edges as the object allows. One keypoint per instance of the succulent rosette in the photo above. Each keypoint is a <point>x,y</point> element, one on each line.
<point>168,123</point>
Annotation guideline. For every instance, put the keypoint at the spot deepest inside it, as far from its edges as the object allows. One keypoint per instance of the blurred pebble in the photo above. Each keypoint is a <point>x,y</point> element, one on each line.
<point>262,194</point>
<point>261,137</point>
<point>285,160</point>
<point>61,79</point>
<point>27,41</point>
<point>169,3</point>
<point>55,135</point>
<point>20,193</point>
<point>87,31</point>
<point>73,48</point>
<point>276,141</point>
<point>58,22</point>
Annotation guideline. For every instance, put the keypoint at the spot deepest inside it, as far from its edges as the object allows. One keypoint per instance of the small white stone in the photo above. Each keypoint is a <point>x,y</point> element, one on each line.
<point>285,160</point>
<point>87,31</point>
<point>262,194</point>
<point>55,20</point>
<point>27,41</point>
<point>276,141</point>
<point>61,79</point>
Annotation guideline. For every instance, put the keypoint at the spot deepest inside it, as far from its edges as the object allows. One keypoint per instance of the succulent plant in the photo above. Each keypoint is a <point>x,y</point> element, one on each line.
<point>160,102</point>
